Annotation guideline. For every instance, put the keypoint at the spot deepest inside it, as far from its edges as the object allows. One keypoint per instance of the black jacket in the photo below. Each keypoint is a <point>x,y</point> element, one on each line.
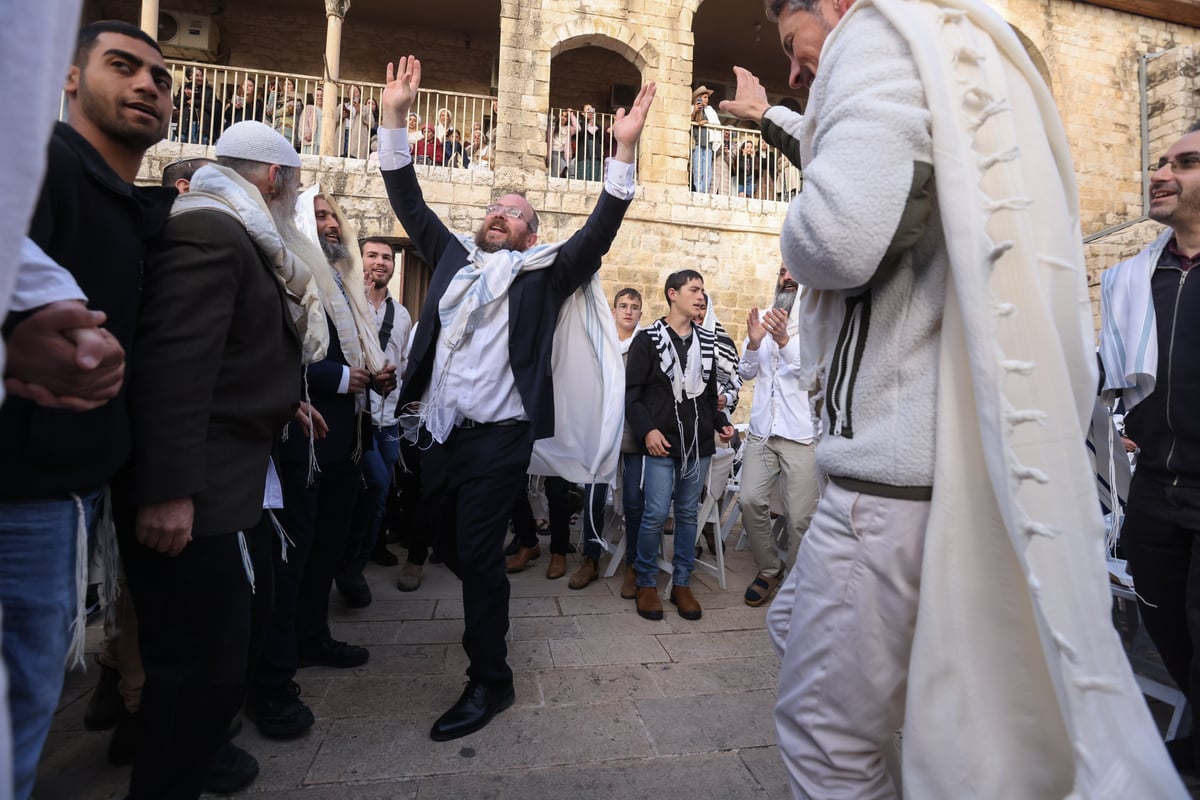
<point>1166,424</point>
<point>650,401</point>
<point>216,372</point>
<point>534,298</point>
<point>95,225</point>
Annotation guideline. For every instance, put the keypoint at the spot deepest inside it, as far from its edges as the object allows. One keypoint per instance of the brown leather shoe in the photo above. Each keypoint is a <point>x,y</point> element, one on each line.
<point>523,557</point>
<point>588,571</point>
<point>685,601</point>
<point>629,585</point>
<point>557,567</point>
<point>648,604</point>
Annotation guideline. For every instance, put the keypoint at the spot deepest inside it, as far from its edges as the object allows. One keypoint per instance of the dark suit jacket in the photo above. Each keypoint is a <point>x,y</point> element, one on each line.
<point>324,378</point>
<point>216,372</point>
<point>534,299</point>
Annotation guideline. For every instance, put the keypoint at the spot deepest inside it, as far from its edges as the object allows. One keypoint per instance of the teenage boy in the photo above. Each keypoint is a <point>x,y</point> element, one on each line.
<point>671,405</point>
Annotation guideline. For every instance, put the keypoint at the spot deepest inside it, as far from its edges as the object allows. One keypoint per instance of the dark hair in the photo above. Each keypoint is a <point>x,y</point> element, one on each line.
<point>88,35</point>
<point>628,291</point>
<point>377,240</point>
<point>775,7</point>
<point>677,280</point>
<point>183,169</point>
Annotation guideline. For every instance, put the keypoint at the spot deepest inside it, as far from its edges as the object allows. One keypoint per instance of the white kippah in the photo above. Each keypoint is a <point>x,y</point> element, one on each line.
<point>255,141</point>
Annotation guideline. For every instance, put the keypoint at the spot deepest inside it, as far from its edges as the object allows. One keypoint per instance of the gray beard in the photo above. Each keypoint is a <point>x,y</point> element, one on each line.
<point>784,298</point>
<point>333,252</point>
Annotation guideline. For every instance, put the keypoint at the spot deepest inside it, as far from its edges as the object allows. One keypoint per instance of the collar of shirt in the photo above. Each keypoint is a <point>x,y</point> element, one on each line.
<point>1183,262</point>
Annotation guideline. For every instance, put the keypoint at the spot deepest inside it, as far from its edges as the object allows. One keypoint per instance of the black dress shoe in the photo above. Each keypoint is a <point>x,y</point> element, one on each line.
<point>105,706</point>
<point>280,713</point>
<point>332,653</point>
<point>232,769</point>
<point>474,709</point>
<point>126,738</point>
<point>354,589</point>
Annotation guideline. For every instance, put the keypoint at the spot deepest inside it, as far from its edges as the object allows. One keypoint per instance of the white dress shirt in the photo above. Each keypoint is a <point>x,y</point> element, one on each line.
<point>780,406</point>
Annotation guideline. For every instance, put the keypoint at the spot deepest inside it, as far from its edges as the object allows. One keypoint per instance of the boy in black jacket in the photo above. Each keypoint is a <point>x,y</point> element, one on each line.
<point>671,404</point>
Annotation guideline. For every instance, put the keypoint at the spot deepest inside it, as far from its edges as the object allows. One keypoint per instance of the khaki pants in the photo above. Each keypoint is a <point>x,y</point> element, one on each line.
<point>765,462</point>
<point>843,624</point>
<point>119,651</point>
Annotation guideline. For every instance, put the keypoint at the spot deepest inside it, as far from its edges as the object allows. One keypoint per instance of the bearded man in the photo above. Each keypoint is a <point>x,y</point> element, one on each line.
<point>779,450</point>
<point>229,313</point>
<point>479,372</point>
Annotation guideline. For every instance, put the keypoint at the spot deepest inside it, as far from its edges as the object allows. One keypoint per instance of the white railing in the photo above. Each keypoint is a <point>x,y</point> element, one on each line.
<point>737,162</point>
<point>577,143</point>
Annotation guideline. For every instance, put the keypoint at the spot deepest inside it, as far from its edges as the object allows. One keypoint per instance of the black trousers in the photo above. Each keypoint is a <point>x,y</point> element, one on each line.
<point>1161,540</point>
<point>199,625</point>
<point>558,498</point>
<point>472,478</point>
<point>415,519</point>
<point>317,519</point>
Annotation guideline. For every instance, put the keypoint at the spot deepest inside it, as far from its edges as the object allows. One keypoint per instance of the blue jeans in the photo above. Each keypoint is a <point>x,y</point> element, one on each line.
<point>377,466</point>
<point>702,169</point>
<point>664,478</point>
<point>37,592</point>
<point>632,500</point>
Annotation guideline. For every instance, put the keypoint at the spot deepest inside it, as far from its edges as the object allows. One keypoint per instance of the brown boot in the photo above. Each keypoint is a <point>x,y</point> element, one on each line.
<point>685,601</point>
<point>629,585</point>
<point>648,604</point>
<point>558,566</point>
<point>521,560</point>
<point>588,571</point>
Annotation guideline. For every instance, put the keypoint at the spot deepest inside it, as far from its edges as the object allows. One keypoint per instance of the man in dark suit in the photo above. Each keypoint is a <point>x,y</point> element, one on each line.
<point>221,360</point>
<point>480,369</point>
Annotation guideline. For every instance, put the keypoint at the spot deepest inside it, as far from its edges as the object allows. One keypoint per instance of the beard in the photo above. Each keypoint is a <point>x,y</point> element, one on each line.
<point>100,110</point>
<point>784,298</point>
<point>334,251</point>
<point>481,241</point>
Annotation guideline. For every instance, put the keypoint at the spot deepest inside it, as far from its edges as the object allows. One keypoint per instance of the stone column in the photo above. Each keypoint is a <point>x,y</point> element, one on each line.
<point>331,111</point>
<point>149,22</point>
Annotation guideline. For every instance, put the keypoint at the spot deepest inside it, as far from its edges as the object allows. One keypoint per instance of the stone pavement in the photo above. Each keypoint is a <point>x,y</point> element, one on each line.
<point>609,705</point>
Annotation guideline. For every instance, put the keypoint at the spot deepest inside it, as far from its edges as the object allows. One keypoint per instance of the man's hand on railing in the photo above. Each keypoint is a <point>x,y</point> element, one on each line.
<point>627,127</point>
<point>403,81</point>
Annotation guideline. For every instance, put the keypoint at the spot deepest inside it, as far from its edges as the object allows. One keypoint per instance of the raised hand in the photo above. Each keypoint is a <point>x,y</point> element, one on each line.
<point>403,81</point>
<point>627,127</point>
<point>750,101</point>
<point>755,331</point>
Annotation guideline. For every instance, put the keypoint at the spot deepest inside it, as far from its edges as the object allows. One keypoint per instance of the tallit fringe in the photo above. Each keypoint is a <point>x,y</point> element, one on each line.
<point>108,553</point>
<point>247,564</point>
<point>284,539</point>
<point>79,625</point>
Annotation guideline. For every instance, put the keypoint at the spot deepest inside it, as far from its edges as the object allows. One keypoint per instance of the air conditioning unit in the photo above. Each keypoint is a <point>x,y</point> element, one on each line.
<point>190,36</point>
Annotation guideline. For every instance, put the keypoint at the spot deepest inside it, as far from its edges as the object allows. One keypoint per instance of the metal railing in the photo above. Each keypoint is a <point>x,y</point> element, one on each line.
<point>577,143</point>
<point>737,162</point>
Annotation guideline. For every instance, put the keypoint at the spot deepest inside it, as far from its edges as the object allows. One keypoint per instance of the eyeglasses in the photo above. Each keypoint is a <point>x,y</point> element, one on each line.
<point>512,212</point>
<point>1183,163</point>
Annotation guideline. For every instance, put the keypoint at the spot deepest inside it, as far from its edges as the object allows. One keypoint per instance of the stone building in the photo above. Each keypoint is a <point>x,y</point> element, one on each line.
<point>1125,83</point>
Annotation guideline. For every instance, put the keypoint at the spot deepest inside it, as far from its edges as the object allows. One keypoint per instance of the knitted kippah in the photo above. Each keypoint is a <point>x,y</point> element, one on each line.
<point>255,141</point>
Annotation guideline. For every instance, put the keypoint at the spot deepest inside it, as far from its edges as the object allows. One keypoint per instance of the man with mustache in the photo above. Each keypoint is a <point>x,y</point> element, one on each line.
<point>54,464</point>
<point>479,372</point>
<point>1154,292</point>
<point>779,449</point>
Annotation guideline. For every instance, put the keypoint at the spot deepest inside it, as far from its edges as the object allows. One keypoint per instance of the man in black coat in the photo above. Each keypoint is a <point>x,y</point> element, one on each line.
<point>479,369</point>
<point>220,361</point>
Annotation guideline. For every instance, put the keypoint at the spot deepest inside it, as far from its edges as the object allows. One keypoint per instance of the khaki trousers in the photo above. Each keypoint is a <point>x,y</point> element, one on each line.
<point>765,462</point>
<point>843,624</point>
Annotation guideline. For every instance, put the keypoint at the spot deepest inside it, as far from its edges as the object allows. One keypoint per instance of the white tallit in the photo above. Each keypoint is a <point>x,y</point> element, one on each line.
<point>1128,327</point>
<point>349,310</point>
<point>1018,685</point>
<point>293,258</point>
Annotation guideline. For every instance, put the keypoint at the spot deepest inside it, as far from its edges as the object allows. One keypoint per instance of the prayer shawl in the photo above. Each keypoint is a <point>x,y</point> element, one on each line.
<point>1128,328</point>
<point>1018,685</point>
<point>688,382</point>
<point>728,380</point>
<point>347,304</point>
<point>293,258</point>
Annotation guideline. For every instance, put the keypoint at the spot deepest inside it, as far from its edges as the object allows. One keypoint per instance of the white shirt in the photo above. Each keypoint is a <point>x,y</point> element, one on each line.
<point>780,406</point>
<point>383,409</point>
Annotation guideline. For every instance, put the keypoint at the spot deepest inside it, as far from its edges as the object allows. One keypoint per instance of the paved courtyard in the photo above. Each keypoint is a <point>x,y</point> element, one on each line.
<point>609,705</point>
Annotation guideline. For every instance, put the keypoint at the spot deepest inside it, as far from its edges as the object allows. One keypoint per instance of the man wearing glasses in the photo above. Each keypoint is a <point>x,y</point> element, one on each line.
<point>1149,345</point>
<point>478,380</point>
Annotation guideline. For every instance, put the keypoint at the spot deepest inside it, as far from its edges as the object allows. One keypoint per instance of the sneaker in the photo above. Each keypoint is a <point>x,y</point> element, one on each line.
<point>353,588</point>
<point>332,653</point>
<point>410,577</point>
<point>105,705</point>
<point>629,585</point>
<point>280,714</point>
<point>232,770</point>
